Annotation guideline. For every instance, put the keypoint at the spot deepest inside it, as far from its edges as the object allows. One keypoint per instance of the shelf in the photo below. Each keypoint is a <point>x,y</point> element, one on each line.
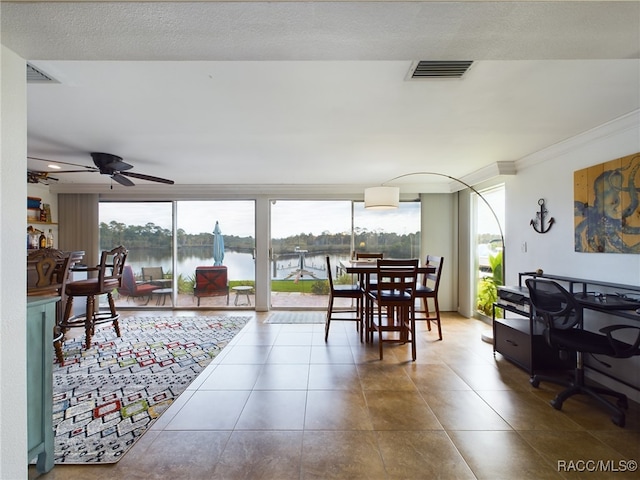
<point>29,222</point>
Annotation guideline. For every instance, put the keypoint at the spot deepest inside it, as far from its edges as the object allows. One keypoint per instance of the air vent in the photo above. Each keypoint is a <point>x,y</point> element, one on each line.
<point>38,76</point>
<point>428,69</point>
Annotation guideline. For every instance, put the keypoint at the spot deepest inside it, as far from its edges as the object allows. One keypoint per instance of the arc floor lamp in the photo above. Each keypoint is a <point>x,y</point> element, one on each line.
<point>388,197</point>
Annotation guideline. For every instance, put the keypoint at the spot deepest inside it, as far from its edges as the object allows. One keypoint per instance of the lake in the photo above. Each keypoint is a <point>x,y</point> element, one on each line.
<point>241,265</point>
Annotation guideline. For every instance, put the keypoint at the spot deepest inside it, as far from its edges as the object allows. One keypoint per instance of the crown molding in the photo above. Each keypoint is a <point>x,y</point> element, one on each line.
<point>630,121</point>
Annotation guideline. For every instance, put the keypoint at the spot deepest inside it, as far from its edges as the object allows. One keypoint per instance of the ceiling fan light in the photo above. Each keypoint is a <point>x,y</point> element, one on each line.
<point>381,198</point>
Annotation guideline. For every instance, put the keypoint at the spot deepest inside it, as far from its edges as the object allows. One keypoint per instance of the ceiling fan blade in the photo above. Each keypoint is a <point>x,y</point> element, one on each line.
<point>88,170</point>
<point>149,178</point>
<point>91,169</point>
<point>118,166</point>
<point>122,180</point>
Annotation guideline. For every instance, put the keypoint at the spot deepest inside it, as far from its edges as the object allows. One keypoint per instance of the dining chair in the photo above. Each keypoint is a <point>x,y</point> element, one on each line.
<point>367,281</point>
<point>428,289</point>
<point>394,299</point>
<point>351,291</point>
<point>108,279</point>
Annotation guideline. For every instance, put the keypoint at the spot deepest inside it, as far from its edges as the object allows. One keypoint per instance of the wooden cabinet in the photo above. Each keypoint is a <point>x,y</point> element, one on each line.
<point>520,340</point>
<point>41,316</point>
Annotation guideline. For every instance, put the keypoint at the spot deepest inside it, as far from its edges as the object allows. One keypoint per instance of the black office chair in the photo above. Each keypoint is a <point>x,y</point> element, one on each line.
<point>562,316</point>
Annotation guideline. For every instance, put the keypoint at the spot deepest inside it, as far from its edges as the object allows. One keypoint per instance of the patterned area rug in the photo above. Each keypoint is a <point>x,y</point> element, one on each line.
<point>105,398</point>
<point>297,317</point>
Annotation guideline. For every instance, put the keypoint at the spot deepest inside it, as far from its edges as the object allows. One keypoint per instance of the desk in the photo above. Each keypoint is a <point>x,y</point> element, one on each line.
<point>520,340</point>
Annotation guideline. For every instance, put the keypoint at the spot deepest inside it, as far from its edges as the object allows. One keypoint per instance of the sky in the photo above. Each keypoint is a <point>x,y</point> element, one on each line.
<point>289,218</point>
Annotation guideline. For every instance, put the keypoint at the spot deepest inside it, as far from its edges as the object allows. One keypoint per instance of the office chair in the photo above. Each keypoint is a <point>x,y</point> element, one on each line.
<point>562,316</point>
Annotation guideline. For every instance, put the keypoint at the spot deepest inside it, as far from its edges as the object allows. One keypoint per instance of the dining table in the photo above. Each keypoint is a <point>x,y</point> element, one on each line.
<point>368,266</point>
<point>364,268</point>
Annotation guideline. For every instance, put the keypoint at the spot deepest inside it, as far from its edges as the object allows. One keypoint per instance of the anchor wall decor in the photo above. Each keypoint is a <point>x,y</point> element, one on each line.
<point>538,222</point>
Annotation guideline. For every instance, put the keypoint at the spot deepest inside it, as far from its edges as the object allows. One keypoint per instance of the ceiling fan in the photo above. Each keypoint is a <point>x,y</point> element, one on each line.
<point>105,164</point>
<point>39,177</point>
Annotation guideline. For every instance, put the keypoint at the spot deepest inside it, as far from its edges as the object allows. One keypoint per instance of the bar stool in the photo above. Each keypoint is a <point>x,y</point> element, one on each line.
<point>395,294</point>
<point>109,278</point>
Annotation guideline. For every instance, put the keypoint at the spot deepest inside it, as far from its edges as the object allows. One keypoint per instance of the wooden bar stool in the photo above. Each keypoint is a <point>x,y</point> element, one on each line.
<point>109,278</point>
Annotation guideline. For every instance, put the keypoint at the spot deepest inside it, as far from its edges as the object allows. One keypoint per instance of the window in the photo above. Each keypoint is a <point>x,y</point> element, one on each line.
<point>488,247</point>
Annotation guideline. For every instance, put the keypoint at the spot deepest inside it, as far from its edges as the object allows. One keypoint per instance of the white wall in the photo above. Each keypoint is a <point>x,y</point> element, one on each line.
<point>439,225</point>
<point>13,250</point>
<point>549,175</point>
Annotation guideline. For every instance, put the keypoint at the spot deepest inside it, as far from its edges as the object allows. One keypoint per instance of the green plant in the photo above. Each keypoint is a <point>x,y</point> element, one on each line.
<point>488,286</point>
<point>495,262</point>
<point>487,295</point>
<point>186,283</point>
<point>321,287</point>
<point>344,279</point>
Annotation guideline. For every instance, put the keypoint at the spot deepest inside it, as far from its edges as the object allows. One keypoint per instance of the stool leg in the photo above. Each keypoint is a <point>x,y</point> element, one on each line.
<point>88,321</point>
<point>68,308</point>
<point>114,314</point>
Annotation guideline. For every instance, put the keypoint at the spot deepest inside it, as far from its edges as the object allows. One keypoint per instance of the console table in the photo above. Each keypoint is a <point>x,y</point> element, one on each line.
<point>41,317</point>
<point>520,339</point>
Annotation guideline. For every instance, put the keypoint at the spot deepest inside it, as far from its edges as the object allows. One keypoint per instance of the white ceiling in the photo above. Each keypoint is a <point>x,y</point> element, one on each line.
<point>314,94</point>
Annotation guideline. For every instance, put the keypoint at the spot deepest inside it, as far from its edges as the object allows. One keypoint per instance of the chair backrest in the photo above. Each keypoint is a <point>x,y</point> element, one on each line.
<point>361,255</point>
<point>111,267</point>
<point>128,284</point>
<point>432,280</point>
<point>557,306</point>
<point>49,275</point>
<point>211,279</point>
<point>329,273</point>
<point>150,274</point>
<point>397,276</point>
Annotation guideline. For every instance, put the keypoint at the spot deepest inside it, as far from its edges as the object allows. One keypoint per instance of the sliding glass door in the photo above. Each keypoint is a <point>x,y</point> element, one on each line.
<point>214,234</point>
<point>146,229</point>
<point>303,233</point>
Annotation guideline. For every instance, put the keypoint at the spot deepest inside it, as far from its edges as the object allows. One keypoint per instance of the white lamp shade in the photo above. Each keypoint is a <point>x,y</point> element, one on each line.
<point>381,198</point>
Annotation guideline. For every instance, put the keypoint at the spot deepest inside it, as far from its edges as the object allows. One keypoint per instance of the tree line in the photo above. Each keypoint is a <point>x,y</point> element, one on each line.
<point>154,236</point>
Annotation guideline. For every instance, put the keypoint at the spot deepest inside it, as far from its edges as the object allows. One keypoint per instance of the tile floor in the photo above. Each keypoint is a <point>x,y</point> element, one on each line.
<point>278,403</point>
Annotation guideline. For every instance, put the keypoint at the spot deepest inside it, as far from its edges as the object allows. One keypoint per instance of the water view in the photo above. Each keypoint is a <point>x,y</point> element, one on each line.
<point>240,265</point>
